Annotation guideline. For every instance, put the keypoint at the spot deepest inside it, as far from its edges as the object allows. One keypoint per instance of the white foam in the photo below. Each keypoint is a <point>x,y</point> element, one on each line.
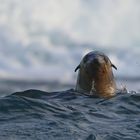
<point>47,39</point>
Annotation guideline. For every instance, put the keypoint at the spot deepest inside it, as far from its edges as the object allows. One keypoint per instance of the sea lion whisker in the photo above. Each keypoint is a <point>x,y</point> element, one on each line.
<point>114,66</point>
<point>78,67</point>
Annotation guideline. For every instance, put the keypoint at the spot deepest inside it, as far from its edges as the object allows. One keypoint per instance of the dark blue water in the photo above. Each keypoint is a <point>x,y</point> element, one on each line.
<point>68,115</point>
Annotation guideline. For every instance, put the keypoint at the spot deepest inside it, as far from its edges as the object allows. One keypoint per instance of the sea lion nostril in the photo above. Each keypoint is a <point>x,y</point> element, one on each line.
<point>106,59</point>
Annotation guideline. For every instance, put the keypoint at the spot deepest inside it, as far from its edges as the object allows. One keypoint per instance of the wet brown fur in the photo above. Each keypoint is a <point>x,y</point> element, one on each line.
<point>95,76</point>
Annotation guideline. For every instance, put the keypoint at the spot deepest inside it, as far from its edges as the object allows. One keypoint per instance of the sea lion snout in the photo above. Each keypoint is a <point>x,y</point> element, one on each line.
<point>95,75</point>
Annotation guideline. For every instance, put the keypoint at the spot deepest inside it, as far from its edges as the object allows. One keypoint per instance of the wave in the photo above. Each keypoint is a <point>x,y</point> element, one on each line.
<point>39,44</point>
<point>39,62</point>
<point>68,114</point>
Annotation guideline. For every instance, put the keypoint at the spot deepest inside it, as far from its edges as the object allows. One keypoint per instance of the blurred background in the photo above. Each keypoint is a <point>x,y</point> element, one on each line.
<point>42,41</point>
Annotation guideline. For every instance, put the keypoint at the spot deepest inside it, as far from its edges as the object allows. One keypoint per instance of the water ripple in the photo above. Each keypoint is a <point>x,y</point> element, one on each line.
<point>69,115</point>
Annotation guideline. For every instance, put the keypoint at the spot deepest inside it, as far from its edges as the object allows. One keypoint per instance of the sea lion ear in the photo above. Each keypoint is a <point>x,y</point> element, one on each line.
<point>114,66</point>
<point>78,67</point>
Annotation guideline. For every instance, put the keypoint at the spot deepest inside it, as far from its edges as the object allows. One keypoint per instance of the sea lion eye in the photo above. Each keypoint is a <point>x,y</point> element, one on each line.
<point>86,58</point>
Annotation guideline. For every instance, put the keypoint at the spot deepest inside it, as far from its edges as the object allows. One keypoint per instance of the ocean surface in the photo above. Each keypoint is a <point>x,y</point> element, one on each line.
<point>68,115</point>
<point>41,43</point>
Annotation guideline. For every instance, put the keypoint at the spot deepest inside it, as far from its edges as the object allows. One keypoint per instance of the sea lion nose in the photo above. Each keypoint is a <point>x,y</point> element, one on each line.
<point>98,60</point>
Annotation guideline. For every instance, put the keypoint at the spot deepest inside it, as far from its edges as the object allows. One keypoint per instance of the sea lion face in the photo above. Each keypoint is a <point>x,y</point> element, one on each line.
<point>95,75</point>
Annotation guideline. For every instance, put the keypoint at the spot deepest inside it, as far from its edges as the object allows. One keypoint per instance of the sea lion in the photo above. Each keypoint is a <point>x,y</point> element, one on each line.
<point>95,75</point>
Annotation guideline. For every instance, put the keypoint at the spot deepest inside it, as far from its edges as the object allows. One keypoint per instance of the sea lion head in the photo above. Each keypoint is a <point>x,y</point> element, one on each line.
<point>95,75</point>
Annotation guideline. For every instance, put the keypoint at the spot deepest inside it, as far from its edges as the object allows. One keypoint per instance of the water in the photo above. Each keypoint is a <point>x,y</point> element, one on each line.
<point>39,115</point>
<point>41,43</point>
